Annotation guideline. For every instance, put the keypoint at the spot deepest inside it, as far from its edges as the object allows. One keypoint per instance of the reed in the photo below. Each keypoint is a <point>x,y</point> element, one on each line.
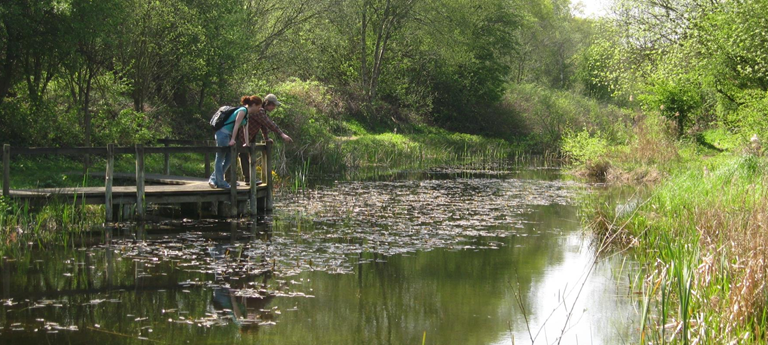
<point>701,238</point>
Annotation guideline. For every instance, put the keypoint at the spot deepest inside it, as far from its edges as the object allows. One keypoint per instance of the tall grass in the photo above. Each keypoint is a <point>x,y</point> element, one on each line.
<point>702,238</point>
<point>22,225</point>
<point>372,155</point>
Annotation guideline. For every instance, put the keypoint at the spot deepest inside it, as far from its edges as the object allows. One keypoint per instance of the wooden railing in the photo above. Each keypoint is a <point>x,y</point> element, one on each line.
<point>139,150</point>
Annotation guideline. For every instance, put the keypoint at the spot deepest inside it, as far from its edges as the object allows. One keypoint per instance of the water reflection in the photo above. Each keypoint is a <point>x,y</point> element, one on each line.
<point>467,260</point>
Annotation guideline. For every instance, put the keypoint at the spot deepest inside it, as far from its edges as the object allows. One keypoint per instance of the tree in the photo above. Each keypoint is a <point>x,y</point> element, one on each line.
<point>92,36</point>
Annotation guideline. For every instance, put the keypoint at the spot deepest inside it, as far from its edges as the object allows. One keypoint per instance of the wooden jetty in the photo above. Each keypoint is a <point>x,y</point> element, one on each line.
<point>165,189</point>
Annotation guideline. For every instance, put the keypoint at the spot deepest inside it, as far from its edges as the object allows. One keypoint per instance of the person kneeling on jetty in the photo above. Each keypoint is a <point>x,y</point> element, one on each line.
<point>225,137</point>
<point>259,122</point>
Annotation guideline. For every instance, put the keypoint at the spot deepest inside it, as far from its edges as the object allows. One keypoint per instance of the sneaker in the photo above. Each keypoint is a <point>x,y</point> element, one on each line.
<point>212,184</point>
<point>224,185</point>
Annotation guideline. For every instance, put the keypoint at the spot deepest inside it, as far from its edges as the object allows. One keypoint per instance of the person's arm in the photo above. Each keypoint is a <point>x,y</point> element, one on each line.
<point>247,138</point>
<point>238,120</point>
<point>266,122</point>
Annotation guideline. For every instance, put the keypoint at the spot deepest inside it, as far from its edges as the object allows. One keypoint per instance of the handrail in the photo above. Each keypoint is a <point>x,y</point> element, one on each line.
<point>102,151</point>
<point>139,151</point>
<point>169,141</point>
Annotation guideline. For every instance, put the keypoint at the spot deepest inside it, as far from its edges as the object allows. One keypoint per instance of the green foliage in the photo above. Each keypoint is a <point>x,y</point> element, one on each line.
<point>583,147</point>
<point>750,118</point>
<point>678,100</point>
<point>722,138</point>
<point>128,127</point>
<point>544,115</point>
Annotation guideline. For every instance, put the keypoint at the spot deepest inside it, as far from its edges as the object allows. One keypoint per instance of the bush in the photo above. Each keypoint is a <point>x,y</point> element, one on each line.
<point>750,118</point>
<point>128,127</point>
<point>582,147</point>
<point>545,115</point>
<point>678,100</point>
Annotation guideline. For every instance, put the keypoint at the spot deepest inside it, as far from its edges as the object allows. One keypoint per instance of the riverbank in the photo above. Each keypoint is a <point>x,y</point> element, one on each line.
<point>699,232</point>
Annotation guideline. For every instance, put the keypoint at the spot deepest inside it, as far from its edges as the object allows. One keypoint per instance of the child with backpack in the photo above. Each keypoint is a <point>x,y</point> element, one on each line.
<point>227,123</point>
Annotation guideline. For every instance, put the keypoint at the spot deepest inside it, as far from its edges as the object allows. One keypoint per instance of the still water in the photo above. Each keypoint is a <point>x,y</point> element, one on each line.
<point>440,258</point>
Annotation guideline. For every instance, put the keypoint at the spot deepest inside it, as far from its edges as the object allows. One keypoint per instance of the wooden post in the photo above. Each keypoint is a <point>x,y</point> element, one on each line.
<point>108,182</point>
<point>6,170</point>
<point>268,171</point>
<point>215,204</point>
<point>253,178</point>
<point>140,207</point>
<point>233,179</point>
<point>167,160</point>
<point>86,164</point>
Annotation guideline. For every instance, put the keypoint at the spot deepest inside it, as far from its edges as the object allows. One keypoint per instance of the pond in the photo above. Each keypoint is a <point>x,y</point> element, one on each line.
<point>442,257</point>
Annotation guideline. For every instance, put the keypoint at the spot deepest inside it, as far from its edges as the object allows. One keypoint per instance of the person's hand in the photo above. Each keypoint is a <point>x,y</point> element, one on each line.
<point>269,141</point>
<point>246,145</point>
<point>232,142</point>
<point>286,138</point>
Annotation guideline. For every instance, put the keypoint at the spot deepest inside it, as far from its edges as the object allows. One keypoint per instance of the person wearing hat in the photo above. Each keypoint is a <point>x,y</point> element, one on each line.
<point>260,122</point>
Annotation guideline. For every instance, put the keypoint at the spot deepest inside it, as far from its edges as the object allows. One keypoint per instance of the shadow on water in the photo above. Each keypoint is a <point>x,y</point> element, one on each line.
<point>467,257</point>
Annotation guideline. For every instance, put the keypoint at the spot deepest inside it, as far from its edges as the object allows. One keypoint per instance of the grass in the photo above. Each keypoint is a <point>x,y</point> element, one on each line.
<point>698,228</point>
<point>702,238</point>
<point>367,155</point>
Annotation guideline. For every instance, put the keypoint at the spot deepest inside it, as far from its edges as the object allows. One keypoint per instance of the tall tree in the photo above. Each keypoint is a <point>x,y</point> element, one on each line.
<point>92,37</point>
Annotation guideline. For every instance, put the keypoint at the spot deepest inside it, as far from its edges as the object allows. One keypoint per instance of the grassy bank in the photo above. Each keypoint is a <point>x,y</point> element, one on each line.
<point>699,232</point>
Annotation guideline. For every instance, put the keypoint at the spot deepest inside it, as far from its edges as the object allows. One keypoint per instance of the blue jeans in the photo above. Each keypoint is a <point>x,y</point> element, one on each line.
<point>223,157</point>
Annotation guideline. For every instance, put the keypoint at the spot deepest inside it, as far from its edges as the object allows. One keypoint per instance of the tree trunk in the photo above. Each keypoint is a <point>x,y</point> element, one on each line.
<point>86,109</point>
<point>363,46</point>
<point>7,72</point>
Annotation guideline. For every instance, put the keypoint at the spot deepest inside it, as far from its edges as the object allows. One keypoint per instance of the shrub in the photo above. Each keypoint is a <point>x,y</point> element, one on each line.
<point>582,147</point>
<point>128,127</point>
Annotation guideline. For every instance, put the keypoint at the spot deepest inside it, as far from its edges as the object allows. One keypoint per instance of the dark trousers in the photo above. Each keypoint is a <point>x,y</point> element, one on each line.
<point>245,163</point>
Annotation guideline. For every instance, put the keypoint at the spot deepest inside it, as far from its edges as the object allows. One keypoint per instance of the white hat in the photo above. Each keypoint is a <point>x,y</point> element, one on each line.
<point>270,98</point>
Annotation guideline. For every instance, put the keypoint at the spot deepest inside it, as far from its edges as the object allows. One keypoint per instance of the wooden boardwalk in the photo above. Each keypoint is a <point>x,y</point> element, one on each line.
<point>157,194</point>
<point>164,189</point>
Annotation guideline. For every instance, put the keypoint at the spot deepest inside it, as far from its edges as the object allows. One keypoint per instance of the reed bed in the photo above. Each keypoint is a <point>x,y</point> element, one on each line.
<point>702,240</point>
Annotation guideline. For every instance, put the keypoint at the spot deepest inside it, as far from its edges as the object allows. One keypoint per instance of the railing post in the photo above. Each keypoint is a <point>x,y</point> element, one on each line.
<point>268,171</point>
<point>108,182</point>
<point>167,159</point>
<point>140,207</point>
<point>233,179</point>
<point>6,170</point>
<point>253,179</point>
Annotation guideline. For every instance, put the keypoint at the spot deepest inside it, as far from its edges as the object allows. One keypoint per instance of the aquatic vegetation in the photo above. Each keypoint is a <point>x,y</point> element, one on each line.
<point>701,237</point>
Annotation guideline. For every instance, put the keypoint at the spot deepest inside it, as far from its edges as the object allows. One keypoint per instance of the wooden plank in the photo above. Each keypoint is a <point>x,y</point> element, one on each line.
<point>182,149</point>
<point>185,142</point>
<point>140,207</point>
<point>233,180</point>
<point>108,179</point>
<point>192,149</point>
<point>269,176</point>
<point>101,151</point>
<point>197,188</point>
<point>153,178</point>
<point>74,151</point>
<point>253,187</point>
<point>6,170</point>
